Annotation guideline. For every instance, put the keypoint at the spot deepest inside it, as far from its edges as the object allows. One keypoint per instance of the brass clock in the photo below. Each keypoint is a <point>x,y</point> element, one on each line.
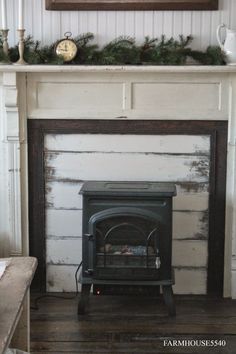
<point>66,48</point>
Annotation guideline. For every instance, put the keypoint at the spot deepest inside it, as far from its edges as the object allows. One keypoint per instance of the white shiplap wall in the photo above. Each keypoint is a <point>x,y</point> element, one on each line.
<point>71,159</point>
<point>48,26</point>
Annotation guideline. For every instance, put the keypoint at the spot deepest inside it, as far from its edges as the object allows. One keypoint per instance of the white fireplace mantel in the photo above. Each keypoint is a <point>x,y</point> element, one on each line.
<point>118,92</point>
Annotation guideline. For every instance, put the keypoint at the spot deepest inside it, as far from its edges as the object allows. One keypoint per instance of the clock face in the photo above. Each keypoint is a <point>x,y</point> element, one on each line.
<point>67,49</point>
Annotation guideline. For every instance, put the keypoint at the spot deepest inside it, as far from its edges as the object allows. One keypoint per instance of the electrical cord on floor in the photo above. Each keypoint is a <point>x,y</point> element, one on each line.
<point>36,301</point>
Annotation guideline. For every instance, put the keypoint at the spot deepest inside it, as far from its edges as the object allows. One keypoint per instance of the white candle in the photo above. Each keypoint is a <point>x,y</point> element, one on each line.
<point>4,14</point>
<point>21,15</point>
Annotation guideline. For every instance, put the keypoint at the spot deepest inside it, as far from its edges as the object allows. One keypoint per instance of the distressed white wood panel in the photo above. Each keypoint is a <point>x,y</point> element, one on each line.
<point>190,281</point>
<point>197,200</point>
<point>61,223</point>
<point>61,278</point>
<point>193,144</point>
<point>65,251</point>
<point>190,225</point>
<point>69,251</point>
<point>114,166</point>
<point>198,97</point>
<point>85,96</point>
<point>65,195</point>
<point>190,253</point>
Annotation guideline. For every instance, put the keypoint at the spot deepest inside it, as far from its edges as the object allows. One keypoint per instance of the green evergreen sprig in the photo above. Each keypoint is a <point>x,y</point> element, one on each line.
<point>121,51</point>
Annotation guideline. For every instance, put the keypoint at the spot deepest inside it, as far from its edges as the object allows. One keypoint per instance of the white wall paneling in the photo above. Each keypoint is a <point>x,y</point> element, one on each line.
<point>48,26</point>
<point>140,96</point>
<point>71,159</point>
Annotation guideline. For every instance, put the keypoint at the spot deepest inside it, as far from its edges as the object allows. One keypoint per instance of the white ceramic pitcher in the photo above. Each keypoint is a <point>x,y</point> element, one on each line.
<point>229,46</point>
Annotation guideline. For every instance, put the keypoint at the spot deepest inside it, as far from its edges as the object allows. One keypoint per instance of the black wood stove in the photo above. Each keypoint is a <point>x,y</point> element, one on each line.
<point>127,238</point>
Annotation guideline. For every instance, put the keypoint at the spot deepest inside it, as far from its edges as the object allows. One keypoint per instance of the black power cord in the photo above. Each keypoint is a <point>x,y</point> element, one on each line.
<point>36,301</point>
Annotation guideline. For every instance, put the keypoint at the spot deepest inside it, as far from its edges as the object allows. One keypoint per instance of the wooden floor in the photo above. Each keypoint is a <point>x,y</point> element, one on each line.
<point>131,325</point>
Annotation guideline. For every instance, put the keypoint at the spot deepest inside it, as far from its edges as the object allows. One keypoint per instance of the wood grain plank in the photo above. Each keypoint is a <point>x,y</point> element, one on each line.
<point>64,251</point>
<point>177,144</point>
<point>147,344</point>
<point>65,195</point>
<point>190,225</point>
<point>61,223</point>
<point>113,166</point>
<point>190,281</point>
<point>190,253</point>
<point>61,278</point>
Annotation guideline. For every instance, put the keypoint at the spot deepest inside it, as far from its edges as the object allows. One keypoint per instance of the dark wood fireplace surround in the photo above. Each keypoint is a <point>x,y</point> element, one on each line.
<point>217,130</point>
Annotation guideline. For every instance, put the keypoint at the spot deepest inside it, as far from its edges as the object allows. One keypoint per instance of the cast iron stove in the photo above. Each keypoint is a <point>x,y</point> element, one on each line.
<point>127,238</point>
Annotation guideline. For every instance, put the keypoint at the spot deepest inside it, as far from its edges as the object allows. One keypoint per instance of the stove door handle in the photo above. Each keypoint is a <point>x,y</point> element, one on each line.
<point>90,237</point>
<point>89,271</point>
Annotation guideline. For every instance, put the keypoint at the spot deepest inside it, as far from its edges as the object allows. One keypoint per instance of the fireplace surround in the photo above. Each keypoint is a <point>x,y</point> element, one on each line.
<point>134,95</point>
<point>127,237</point>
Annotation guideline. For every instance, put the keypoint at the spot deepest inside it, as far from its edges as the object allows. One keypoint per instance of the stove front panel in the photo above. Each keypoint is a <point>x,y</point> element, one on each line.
<point>127,238</point>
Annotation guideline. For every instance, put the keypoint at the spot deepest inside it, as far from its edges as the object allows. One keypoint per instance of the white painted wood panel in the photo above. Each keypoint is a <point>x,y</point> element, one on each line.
<point>129,143</point>
<point>136,96</point>
<point>49,26</point>
<point>64,224</point>
<point>85,96</point>
<point>196,200</point>
<point>68,223</point>
<point>187,281</point>
<point>190,281</point>
<point>188,224</point>
<point>64,251</point>
<point>65,195</point>
<point>61,278</point>
<point>167,98</point>
<point>187,253</point>
<point>67,161</point>
<point>190,253</point>
<point>113,166</point>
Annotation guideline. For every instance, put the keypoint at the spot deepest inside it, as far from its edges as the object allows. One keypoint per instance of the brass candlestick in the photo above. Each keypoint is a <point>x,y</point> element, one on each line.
<point>5,43</point>
<point>21,47</point>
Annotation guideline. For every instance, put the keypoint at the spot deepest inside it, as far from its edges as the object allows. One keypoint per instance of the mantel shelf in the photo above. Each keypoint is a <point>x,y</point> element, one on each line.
<point>118,68</point>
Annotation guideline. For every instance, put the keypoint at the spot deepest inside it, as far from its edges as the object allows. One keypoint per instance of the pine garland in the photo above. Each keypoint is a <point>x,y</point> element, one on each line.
<point>121,51</point>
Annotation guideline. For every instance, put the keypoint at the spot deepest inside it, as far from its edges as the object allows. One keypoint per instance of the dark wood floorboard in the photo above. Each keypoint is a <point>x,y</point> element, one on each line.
<point>132,325</point>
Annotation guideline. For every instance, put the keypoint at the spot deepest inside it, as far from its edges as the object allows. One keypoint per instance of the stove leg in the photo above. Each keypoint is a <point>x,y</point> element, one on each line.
<point>84,298</point>
<point>169,299</point>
